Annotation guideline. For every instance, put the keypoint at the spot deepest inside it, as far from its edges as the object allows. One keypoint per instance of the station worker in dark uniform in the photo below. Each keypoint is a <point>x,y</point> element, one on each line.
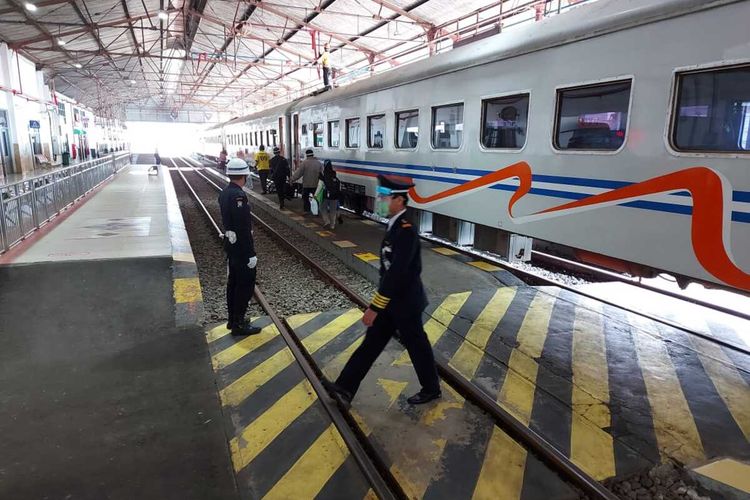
<point>398,303</point>
<point>238,244</point>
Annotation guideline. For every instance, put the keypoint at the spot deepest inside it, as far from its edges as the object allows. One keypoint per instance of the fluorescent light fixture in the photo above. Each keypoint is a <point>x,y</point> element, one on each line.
<point>78,65</point>
<point>60,42</point>
<point>132,82</point>
<point>30,7</point>
<point>163,15</point>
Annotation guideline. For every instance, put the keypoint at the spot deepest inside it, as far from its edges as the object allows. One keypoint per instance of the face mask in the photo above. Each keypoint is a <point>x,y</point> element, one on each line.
<point>383,201</point>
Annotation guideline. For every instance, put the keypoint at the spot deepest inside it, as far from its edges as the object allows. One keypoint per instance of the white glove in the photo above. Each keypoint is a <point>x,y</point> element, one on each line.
<point>231,236</point>
<point>252,262</point>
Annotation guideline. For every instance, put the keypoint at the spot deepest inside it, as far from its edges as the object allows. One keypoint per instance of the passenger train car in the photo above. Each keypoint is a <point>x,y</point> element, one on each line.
<point>614,131</point>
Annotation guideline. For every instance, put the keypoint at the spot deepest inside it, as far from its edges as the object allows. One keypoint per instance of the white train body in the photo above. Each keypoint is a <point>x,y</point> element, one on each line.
<point>621,184</point>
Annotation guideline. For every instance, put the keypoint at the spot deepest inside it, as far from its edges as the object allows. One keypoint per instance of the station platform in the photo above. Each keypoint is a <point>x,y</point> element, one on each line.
<point>12,178</point>
<point>616,392</point>
<point>105,378</point>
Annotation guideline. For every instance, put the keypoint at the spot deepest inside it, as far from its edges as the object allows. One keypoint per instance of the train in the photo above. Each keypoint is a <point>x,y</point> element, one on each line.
<point>611,134</point>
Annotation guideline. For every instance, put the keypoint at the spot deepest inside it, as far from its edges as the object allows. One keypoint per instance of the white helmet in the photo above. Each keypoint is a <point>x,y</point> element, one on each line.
<point>235,166</point>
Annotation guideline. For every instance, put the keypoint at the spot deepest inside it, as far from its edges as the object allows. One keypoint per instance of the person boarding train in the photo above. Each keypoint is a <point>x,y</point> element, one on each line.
<point>397,305</point>
<point>239,247</point>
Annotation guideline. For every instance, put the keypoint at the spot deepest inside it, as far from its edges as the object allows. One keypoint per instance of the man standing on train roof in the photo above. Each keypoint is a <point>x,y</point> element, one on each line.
<point>261,163</point>
<point>397,305</point>
<point>238,244</point>
<point>325,61</point>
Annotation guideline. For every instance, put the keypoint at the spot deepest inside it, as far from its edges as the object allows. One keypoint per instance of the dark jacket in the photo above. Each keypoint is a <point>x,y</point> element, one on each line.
<point>400,291</point>
<point>332,185</point>
<point>279,170</point>
<point>235,216</point>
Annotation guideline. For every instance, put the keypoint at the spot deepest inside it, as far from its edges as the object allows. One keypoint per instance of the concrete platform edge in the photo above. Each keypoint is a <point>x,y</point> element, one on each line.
<point>188,299</point>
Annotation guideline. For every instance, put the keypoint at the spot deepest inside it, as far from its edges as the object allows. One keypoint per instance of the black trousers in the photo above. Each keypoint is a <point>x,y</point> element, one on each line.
<point>240,286</point>
<point>281,193</point>
<point>326,76</point>
<point>306,192</point>
<point>413,337</point>
<point>263,174</point>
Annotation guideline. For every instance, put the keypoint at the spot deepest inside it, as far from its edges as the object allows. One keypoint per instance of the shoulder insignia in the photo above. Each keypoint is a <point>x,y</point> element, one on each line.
<point>405,223</point>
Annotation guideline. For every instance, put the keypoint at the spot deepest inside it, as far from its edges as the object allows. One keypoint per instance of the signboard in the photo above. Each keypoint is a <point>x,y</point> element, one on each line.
<point>33,124</point>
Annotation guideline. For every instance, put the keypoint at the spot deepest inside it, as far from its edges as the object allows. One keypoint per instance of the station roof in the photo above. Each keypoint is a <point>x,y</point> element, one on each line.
<point>161,59</point>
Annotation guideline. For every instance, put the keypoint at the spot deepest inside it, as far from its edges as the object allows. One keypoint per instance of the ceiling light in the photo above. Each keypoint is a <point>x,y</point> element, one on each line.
<point>60,42</point>
<point>30,7</point>
<point>132,82</point>
<point>78,65</point>
<point>163,15</point>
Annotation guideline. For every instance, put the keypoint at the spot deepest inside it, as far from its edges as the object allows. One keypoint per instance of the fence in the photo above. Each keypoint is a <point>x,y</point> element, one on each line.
<point>28,204</point>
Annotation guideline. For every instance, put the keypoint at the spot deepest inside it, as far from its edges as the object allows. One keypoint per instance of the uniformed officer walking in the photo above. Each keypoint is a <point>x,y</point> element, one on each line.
<point>238,244</point>
<point>397,305</point>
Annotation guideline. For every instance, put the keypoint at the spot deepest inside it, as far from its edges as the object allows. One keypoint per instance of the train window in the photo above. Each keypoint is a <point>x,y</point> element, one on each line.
<point>333,134</point>
<point>273,136</point>
<point>504,121</point>
<point>252,143</point>
<point>268,138</point>
<point>375,131</point>
<point>713,111</point>
<point>593,117</point>
<point>447,126</point>
<point>256,137</point>
<point>317,130</point>
<point>352,133</point>
<point>407,129</point>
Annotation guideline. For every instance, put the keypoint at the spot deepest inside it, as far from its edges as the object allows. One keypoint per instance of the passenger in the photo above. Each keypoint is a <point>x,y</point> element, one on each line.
<point>397,305</point>
<point>238,244</point>
<point>223,159</point>
<point>157,158</point>
<point>280,175</point>
<point>309,170</point>
<point>330,207</point>
<point>261,164</point>
<point>325,61</point>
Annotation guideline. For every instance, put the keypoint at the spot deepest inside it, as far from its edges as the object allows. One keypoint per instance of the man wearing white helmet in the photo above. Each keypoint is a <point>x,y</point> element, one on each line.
<point>238,244</point>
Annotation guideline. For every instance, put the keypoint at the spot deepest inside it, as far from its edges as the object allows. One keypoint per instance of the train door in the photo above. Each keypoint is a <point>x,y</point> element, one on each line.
<point>6,162</point>
<point>295,140</point>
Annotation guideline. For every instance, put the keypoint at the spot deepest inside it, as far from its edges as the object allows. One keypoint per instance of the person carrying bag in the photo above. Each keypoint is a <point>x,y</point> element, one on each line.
<point>329,189</point>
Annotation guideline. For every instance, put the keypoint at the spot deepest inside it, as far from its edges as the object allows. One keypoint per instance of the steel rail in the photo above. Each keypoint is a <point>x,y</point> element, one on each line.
<point>529,438</point>
<point>375,470</point>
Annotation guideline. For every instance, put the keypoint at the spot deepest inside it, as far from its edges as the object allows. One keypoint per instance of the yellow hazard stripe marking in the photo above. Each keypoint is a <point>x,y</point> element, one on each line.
<point>247,384</point>
<point>729,383</point>
<point>728,471</point>
<point>469,355</point>
<point>485,266</point>
<point>187,290</point>
<point>243,347</point>
<point>366,256</point>
<point>307,477</point>
<point>675,429</point>
<point>268,426</point>
<point>344,244</point>
<point>444,251</point>
<point>591,448</point>
<point>504,457</point>
<point>183,257</point>
<point>439,321</point>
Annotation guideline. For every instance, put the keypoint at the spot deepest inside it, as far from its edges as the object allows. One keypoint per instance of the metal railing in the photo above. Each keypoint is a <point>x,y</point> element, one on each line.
<point>28,204</point>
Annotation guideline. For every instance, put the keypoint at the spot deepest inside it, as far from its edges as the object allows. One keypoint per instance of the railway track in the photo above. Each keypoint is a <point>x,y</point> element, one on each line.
<point>374,466</point>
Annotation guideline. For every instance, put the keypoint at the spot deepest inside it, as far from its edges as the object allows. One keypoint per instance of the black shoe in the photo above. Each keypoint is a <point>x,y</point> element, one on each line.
<point>240,330</point>
<point>423,397</point>
<point>341,220</point>
<point>230,326</point>
<point>336,390</point>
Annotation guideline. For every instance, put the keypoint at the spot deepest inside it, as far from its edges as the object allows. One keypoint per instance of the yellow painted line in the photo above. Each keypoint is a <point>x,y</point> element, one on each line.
<point>263,430</point>
<point>370,495</point>
<point>247,384</point>
<point>307,477</point>
<point>503,469</point>
<point>244,346</point>
<point>217,332</point>
<point>444,251</point>
<point>183,257</point>
<point>324,234</point>
<point>728,471</point>
<point>591,449</point>
<point>311,225</point>
<point>439,321</point>
<point>334,367</point>
<point>344,244</point>
<point>504,457</point>
<point>485,266</point>
<point>366,256</point>
<point>729,383</point>
<point>297,217</point>
<point>675,429</point>
<point>187,290</point>
<point>300,319</point>
<point>467,358</point>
